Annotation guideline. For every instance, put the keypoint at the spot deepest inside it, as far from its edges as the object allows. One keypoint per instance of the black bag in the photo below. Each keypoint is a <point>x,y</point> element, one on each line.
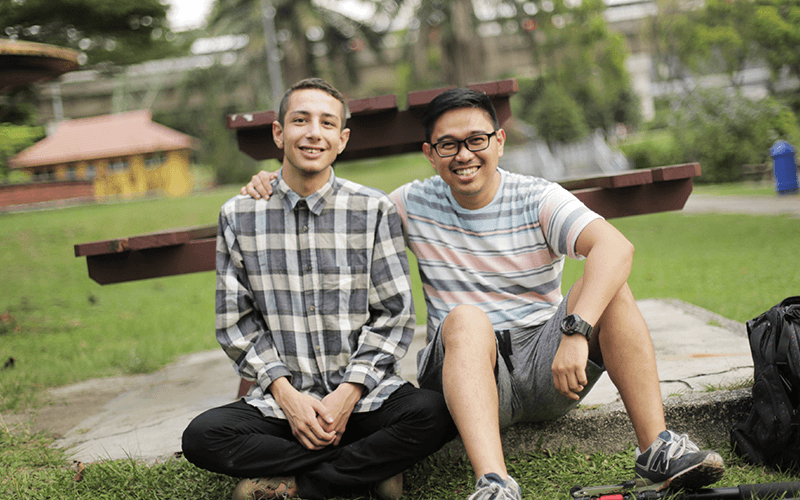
<point>771,433</point>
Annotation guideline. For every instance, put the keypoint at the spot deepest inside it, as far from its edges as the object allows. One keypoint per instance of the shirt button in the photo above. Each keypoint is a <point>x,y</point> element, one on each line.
<point>308,268</point>
<point>312,308</point>
<point>305,229</point>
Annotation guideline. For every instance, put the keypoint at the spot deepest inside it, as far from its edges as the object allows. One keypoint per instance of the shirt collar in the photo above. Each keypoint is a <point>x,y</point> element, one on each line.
<point>315,201</point>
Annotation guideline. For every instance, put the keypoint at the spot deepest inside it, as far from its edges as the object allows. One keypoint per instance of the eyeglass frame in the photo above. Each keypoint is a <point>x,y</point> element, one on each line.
<point>464,142</point>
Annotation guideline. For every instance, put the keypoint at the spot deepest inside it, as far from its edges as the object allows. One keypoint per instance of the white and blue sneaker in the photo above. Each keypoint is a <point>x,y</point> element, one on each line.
<point>491,487</point>
<point>677,462</point>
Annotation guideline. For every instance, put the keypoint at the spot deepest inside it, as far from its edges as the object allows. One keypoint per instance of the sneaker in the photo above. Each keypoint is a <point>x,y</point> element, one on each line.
<point>265,487</point>
<point>491,487</point>
<point>677,462</point>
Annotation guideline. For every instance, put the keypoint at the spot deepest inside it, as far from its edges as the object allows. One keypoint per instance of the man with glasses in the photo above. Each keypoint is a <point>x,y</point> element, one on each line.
<point>504,345</point>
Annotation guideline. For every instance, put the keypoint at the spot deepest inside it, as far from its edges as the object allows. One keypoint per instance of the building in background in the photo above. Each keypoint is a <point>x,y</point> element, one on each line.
<point>122,155</point>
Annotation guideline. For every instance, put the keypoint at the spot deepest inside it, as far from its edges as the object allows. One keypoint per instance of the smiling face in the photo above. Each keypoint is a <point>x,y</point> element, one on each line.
<point>311,137</point>
<point>472,176</point>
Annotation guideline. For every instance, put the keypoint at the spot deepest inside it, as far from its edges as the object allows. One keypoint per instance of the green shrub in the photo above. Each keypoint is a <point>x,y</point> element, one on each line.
<point>724,132</point>
<point>557,116</point>
<point>655,148</point>
<point>13,139</point>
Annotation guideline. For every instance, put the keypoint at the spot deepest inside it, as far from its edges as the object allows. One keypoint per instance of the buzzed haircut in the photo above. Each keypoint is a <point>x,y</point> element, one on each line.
<point>456,99</point>
<point>311,83</point>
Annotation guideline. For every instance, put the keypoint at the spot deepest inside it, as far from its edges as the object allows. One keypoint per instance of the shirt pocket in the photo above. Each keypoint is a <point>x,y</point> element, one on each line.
<point>345,298</point>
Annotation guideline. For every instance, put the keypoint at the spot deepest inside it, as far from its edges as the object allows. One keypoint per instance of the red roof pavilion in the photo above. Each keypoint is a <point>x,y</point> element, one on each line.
<point>107,136</point>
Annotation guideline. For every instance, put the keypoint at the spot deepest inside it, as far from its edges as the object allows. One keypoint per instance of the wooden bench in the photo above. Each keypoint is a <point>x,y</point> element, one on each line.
<point>378,128</point>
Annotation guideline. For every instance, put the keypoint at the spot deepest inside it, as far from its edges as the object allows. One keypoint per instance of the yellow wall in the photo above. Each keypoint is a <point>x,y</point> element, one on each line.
<point>61,173</point>
<point>80,170</point>
<point>101,186</point>
<point>173,177</point>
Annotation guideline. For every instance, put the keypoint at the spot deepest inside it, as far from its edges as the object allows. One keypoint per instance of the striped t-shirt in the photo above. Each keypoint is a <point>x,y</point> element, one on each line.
<point>506,258</point>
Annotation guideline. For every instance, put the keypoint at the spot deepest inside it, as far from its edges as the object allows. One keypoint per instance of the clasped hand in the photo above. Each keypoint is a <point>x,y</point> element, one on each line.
<point>317,424</point>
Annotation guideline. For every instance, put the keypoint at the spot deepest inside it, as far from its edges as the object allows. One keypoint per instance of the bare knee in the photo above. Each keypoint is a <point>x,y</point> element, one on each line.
<point>467,326</point>
<point>622,305</point>
<point>622,316</point>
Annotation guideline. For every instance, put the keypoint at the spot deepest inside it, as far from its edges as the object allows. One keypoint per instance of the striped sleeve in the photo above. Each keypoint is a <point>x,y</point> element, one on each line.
<point>563,217</point>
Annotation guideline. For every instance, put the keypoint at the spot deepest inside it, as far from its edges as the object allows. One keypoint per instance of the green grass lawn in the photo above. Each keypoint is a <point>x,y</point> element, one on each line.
<point>760,188</point>
<point>61,327</point>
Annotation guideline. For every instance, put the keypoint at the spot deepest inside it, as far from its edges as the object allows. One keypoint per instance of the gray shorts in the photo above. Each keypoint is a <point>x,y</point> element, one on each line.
<point>523,371</point>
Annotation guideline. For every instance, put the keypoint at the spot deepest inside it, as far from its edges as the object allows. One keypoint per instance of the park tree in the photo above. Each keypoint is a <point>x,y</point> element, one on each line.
<point>574,50</point>
<point>727,31</point>
<point>691,39</point>
<point>557,116</point>
<point>588,61</point>
<point>777,31</point>
<point>675,39</point>
<point>104,31</point>
<point>442,45</point>
<point>570,45</point>
<point>310,40</point>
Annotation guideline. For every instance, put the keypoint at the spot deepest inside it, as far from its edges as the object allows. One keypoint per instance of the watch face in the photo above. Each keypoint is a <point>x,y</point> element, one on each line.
<point>572,324</point>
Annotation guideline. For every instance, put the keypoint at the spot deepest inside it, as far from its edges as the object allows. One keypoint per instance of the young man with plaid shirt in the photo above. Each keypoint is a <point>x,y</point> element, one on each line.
<point>314,304</point>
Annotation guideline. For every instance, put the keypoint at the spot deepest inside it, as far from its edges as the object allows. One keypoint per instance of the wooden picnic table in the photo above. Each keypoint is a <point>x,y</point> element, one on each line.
<point>190,250</point>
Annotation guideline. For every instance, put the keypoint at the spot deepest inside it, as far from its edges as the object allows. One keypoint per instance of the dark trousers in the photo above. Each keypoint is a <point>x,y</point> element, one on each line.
<point>237,440</point>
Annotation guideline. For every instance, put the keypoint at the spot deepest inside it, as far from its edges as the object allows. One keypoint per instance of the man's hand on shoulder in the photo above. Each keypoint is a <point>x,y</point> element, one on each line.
<point>260,186</point>
<point>340,404</point>
<point>304,414</point>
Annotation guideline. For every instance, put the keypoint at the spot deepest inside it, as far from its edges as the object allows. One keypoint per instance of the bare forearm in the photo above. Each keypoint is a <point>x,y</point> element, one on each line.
<point>607,268</point>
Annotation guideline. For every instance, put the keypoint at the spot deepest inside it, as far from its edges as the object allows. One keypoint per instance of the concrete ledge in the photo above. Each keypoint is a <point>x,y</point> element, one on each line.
<point>706,417</point>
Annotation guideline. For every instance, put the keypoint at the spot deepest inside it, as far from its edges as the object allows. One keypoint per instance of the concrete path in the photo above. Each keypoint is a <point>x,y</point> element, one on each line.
<point>761,205</point>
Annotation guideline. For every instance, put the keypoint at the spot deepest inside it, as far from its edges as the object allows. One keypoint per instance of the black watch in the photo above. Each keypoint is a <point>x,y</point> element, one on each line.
<point>573,324</point>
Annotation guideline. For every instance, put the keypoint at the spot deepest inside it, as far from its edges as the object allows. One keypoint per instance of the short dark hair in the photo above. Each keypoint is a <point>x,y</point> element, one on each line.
<point>455,99</point>
<point>311,83</point>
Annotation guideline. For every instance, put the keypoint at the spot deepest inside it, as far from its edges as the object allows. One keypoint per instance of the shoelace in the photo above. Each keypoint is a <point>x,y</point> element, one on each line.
<point>678,447</point>
<point>279,491</point>
<point>494,490</point>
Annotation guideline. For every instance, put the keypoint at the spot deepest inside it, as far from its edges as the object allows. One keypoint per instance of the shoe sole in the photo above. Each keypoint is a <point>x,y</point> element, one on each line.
<point>709,471</point>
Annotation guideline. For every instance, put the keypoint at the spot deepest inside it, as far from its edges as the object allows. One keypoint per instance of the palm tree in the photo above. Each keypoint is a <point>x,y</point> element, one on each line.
<point>441,42</point>
<point>310,40</point>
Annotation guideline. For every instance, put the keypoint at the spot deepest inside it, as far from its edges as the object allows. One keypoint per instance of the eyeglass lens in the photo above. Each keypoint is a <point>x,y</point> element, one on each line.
<point>474,143</point>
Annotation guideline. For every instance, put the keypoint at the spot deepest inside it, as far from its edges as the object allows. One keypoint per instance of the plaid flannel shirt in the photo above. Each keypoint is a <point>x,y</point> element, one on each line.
<point>314,289</point>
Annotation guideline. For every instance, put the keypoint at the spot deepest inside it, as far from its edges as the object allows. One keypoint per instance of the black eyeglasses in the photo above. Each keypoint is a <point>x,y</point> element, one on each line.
<point>474,143</point>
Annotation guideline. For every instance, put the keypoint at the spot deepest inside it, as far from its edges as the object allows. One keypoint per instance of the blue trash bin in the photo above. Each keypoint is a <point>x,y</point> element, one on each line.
<point>785,167</point>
